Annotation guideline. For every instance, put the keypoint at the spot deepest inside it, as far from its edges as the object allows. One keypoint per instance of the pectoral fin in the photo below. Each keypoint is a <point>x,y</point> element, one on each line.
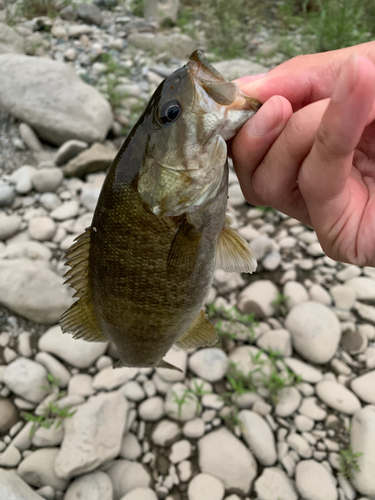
<point>233,253</point>
<point>184,250</point>
<point>200,334</point>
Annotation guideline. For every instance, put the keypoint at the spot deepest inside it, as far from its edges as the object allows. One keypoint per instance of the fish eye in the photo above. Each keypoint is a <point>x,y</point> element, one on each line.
<point>169,112</point>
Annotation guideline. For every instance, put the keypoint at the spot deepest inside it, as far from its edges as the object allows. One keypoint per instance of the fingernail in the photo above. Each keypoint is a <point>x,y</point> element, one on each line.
<point>346,80</point>
<point>266,119</point>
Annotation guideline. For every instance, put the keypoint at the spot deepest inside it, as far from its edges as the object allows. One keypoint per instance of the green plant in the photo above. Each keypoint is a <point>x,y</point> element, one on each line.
<point>280,304</point>
<point>280,376</point>
<point>349,462</point>
<point>219,315</point>
<point>181,400</point>
<point>52,414</point>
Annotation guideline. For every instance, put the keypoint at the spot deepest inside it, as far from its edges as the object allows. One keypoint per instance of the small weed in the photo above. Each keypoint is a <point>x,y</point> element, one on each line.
<point>280,376</point>
<point>220,315</point>
<point>349,462</point>
<point>280,304</point>
<point>198,391</point>
<point>52,414</point>
<point>181,400</point>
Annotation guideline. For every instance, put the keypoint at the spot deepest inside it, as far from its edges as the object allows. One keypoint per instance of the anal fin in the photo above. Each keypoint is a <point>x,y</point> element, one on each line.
<point>200,334</point>
<point>233,253</point>
<point>80,319</point>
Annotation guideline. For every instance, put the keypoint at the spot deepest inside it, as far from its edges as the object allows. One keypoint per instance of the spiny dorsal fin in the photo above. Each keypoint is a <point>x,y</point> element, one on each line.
<point>233,253</point>
<point>80,319</point>
<point>200,334</point>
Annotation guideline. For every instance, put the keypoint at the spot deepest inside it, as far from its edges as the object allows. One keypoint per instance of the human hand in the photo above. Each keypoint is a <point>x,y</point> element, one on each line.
<point>317,165</point>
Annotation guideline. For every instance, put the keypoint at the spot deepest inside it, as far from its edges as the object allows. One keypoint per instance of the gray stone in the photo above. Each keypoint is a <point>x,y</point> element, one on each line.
<point>130,448</point>
<point>93,486</point>
<point>42,228</point>
<point>180,450</point>
<point>274,484</point>
<point>127,476</point>
<point>81,385</point>
<point>44,437</point>
<point>182,412</point>
<point>89,13</point>
<point>310,408</point>
<point>69,150</point>
<point>151,409</point>
<point>338,397</point>
<point>364,288</point>
<point>354,342</point>
<point>12,487</point>
<point>306,372</point>
<point>277,341</point>
<point>177,45</point>
<point>259,436</point>
<point>30,138</point>
<point>210,364</point>
<point>31,250</point>
<point>8,415</point>
<point>89,198</point>
<point>11,457</point>
<point>350,271</point>
<point>10,41</point>
<point>271,261</point>
<point>314,482</point>
<point>343,296</point>
<point>363,386</point>
<point>261,246</point>
<point>257,298</point>
<point>9,226</point>
<point>32,290</point>
<point>47,179</point>
<point>236,68</point>
<point>365,312</point>
<point>315,331</point>
<point>176,357</point>
<point>194,428</point>
<point>76,352</point>
<point>224,456</point>
<point>73,109</point>
<point>27,379</point>
<point>303,423</point>
<point>133,391</point>
<point>109,378</point>
<point>362,439</point>
<point>295,292</point>
<point>92,435</point>
<point>300,445</point>
<point>319,294</point>
<point>141,494</point>
<point>67,210</point>
<point>7,195</point>
<point>94,159</point>
<point>54,367</point>
<point>288,402</point>
<point>50,201</point>
<point>165,433</point>
<point>205,486</point>
<point>37,469</point>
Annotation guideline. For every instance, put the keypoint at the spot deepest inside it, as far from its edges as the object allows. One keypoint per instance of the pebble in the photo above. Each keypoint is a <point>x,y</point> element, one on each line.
<point>257,298</point>
<point>310,408</point>
<point>205,486</point>
<point>271,261</point>
<point>127,476</point>
<point>184,470</point>
<point>110,378</point>
<point>13,487</point>
<point>183,411</point>
<point>221,454</point>
<point>140,494</point>
<point>7,195</point>
<point>365,312</point>
<point>314,482</point>
<point>194,429</point>
<point>133,391</point>
<point>348,272</point>
<point>11,457</point>
<point>42,228</point>
<point>354,342</point>
<point>54,367</point>
<point>289,400</point>
<point>299,444</point>
<point>66,210</point>
<point>274,484</point>
<point>319,294</point>
<point>47,179</point>
<point>307,372</point>
<point>180,450</point>
<point>8,415</point>
<point>151,409</point>
<point>303,423</point>
<point>315,331</point>
<point>343,296</point>
<point>362,439</point>
<point>338,397</point>
<point>49,201</point>
<point>69,150</point>
<point>209,364</point>
<point>81,385</point>
<point>259,436</point>
<point>89,198</point>
<point>9,226</point>
<point>93,486</point>
<point>177,357</point>
<point>130,448</point>
<point>363,386</point>
<point>44,437</point>
<point>165,433</point>
<point>26,378</point>
<point>363,288</point>
<point>295,292</point>
<point>37,469</point>
<point>277,341</point>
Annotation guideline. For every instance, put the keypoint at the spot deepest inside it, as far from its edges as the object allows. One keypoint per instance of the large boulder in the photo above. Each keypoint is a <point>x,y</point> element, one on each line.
<point>49,96</point>
<point>10,41</point>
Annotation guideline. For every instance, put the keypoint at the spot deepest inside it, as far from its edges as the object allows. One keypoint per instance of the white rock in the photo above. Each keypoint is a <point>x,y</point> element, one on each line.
<point>89,198</point>
<point>78,353</point>
<point>271,261</point>
<point>151,409</point>
<point>306,372</point>
<point>310,408</point>
<point>47,179</point>
<point>32,250</point>
<point>109,378</point>
<point>81,385</point>
<point>210,364</point>
<point>314,482</point>
<point>165,433</point>
<point>69,150</point>
<point>50,201</point>
<point>54,367</point>
<point>187,409</point>
<point>140,494</point>
<point>364,288</point>
<point>133,391</point>
<point>37,469</point>
<point>9,225</point>
<point>181,450</point>
<point>262,245</point>
<point>274,484</point>
<point>298,443</point>
<point>44,437</point>
<point>27,379</point>
<point>289,400</point>
<point>259,436</point>
<point>184,470</point>
<point>343,296</point>
<point>32,290</point>
<point>257,298</point>
<point>177,357</point>
<point>365,312</point>
<point>92,435</point>
<point>242,357</point>
<point>319,294</point>
<point>205,486</point>
<point>130,448</point>
<point>127,476</point>
<point>364,386</point>
<point>303,423</point>
<point>12,487</point>
<point>276,340</point>
<point>362,439</point>
<point>224,456</point>
<point>338,397</point>
<point>92,486</point>
<point>11,457</point>
<point>315,331</point>
<point>42,228</point>
<point>295,292</point>
<point>350,271</point>
<point>194,428</point>
<point>65,211</point>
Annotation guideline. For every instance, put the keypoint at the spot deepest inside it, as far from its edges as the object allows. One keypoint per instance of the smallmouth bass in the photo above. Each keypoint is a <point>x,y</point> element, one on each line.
<point>143,270</point>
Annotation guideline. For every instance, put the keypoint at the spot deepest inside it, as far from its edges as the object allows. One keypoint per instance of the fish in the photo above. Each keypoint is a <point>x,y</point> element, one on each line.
<point>143,269</point>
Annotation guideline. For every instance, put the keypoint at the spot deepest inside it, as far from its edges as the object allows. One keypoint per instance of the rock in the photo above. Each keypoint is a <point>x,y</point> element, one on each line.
<point>67,210</point>
<point>364,288</point>
<point>37,469</point>
<point>30,138</point>
<point>165,433</point>
<point>319,294</point>
<point>276,341</point>
<point>354,342</point>
<point>130,448</point>
<point>89,198</point>
<point>224,456</point>
<point>32,290</point>
<point>73,110</point>
<point>295,292</point>
<point>315,331</point>
<point>209,364</point>
<point>274,484</point>
<point>194,428</point>
<point>69,150</point>
<point>271,261</point>
<point>338,397</point>
<point>243,356</point>
<point>235,68</point>
<point>288,402</point>
<point>180,450</point>
<point>42,228</point>
<point>310,409</point>
<point>7,195</point>
<point>177,357</point>
<point>93,486</point>
<point>363,386</point>
<point>47,179</point>
<point>365,312</point>
<point>300,445</point>
<point>314,482</point>
<point>8,415</point>
<point>50,201</point>
<point>44,437</point>
<point>133,391</point>
<point>9,226</point>
<point>184,411</point>
<point>140,494</point>
<point>362,439</point>
<point>303,423</point>
<point>257,298</point>
<point>306,372</point>
<point>31,250</point>
<point>12,487</point>
<point>127,476</point>
<point>10,41</point>
<point>176,45</point>
<point>81,385</point>
<point>261,246</point>
<point>151,409</point>
<point>94,159</point>
<point>92,435</point>
<point>27,379</point>
<point>11,457</point>
<point>89,13</point>
<point>109,378</point>
<point>76,352</point>
<point>343,296</point>
<point>259,436</point>
<point>205,486</point>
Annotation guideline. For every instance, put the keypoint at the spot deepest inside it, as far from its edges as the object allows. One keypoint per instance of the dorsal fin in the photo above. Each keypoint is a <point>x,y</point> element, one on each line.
<point>233,253</point>
<point>200,334</point>
<point>80,319</point>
